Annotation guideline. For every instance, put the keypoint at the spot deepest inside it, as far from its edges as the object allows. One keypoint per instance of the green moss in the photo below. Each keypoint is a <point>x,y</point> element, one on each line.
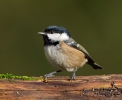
<point>11,76</point>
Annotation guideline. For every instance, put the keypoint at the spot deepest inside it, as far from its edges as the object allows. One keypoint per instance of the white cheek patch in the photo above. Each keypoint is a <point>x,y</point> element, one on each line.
<point>54,36</point>
<point>58,37</point>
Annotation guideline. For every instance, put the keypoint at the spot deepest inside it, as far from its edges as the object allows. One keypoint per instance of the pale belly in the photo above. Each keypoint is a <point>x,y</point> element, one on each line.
<point>64,59</point>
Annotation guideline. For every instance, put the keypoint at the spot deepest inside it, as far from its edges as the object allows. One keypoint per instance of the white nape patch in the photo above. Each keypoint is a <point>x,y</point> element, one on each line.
<point>58,36</point>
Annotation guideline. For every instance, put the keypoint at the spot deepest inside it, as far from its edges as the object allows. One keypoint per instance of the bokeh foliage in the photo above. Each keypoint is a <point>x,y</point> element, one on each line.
<point>96,24</point>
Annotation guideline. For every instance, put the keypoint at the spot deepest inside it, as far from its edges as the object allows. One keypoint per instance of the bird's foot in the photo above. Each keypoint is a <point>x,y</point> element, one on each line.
<point>73,76</point>
<point>49,75</point>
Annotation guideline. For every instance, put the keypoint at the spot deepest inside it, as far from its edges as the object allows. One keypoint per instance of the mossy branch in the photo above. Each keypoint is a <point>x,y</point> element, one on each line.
<point>103,87</point>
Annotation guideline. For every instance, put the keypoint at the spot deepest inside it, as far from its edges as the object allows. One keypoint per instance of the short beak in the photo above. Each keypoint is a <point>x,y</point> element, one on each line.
<point>42,33</point>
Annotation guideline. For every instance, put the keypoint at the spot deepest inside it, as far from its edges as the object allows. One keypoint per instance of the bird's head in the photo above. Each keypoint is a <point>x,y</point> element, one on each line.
<point>54,34</point>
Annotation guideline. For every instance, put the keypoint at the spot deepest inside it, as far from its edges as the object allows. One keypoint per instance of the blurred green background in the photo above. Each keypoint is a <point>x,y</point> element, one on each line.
<point>96,24</point>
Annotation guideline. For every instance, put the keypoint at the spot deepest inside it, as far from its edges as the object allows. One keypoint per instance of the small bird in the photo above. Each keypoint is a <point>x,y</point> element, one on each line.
<point>63,52</point>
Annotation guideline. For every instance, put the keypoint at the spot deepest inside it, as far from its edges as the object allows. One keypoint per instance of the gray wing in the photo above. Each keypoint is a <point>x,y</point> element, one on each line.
<point>75,45</point>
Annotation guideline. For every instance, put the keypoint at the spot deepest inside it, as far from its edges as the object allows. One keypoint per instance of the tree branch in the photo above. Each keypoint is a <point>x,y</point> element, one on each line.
<point>104,87</point>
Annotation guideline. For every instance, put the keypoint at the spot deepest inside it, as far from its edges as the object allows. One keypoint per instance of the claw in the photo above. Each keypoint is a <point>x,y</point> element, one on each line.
<point>73,76</point>
<point>49,75</point>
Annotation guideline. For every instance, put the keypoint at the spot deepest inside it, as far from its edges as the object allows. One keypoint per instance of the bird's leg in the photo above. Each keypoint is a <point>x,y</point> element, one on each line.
<point>73,75</point>
<point>51,74</point>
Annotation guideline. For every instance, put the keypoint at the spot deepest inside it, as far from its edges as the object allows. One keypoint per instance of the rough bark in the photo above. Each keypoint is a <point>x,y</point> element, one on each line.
<point>104,87</point>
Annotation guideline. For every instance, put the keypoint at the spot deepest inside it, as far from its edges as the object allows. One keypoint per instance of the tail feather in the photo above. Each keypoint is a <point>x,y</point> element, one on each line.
<point>95,66</point>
